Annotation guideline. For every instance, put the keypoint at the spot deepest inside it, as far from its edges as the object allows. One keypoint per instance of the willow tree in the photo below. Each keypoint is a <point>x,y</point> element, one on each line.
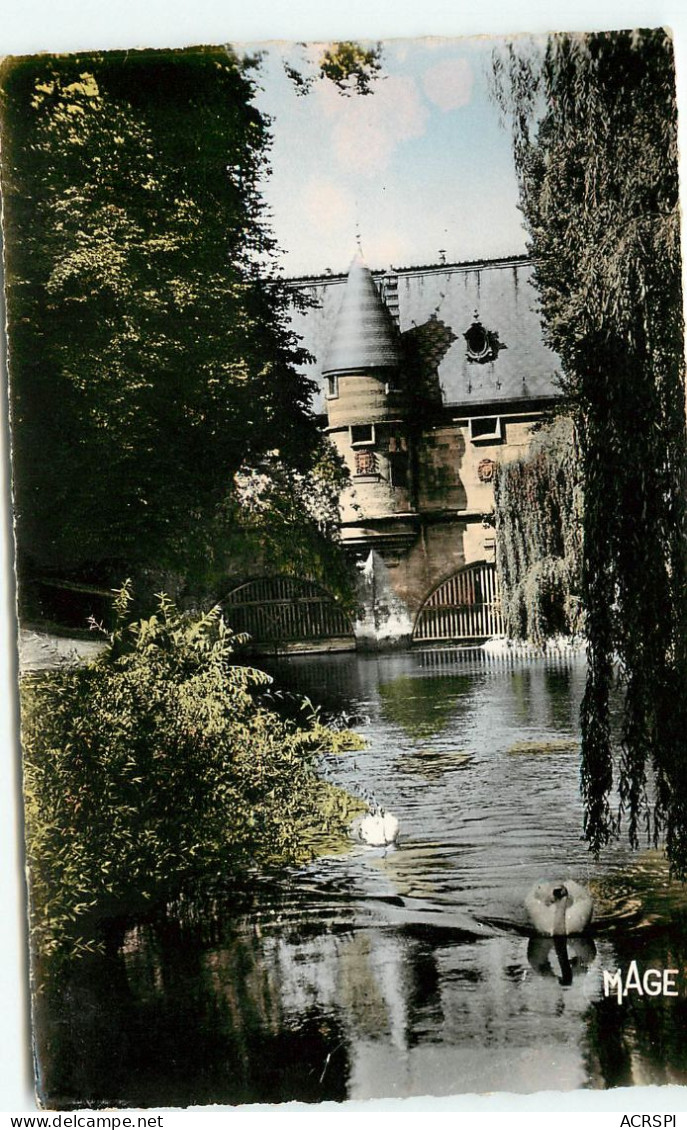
<point>538,503</point>
<point>594,131</point>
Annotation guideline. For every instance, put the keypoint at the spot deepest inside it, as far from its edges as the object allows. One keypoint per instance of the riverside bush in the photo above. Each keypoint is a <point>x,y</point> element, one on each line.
<point>156,768</point>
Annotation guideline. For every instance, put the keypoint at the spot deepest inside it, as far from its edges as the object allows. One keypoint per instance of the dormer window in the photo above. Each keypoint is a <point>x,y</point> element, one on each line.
<point>477,342</point>
<point>486,429</point>
<point>362,435</point>
<point>482,345</point>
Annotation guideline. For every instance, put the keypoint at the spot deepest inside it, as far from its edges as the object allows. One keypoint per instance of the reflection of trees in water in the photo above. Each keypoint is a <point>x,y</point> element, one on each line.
<point>423,707</point>
<point>643,1040</point>
<point>547,694</point>
<point>383,984</point>
<point>641,915</point>
<point>607,1053</point>
<point>262,1014</point>
<point>425,1010</point>
<point>289,1009</point>
<point>336,683</point>
<point>171,1024</point>
<point>563,703</point>
<point>426,692</point>
<point>521,695</point>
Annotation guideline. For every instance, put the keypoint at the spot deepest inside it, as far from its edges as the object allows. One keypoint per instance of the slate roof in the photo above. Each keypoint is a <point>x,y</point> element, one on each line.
<point>364,336</point>
<point>437,305</point>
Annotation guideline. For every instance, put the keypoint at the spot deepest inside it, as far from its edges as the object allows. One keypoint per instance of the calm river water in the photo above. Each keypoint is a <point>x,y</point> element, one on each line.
<point>405,971</point>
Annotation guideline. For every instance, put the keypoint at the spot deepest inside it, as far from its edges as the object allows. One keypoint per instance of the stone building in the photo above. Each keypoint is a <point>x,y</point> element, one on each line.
<point>427,378</point>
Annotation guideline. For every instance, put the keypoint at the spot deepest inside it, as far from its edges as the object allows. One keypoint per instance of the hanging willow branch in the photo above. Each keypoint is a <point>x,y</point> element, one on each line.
<point>595,144</point>
<point>538,502</point>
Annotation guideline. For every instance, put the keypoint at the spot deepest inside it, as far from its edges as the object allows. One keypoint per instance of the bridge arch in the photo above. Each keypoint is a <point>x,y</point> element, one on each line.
<point>281,611</point>
<point>464,608</point>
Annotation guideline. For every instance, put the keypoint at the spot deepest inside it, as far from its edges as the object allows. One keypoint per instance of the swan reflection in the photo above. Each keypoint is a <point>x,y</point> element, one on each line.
<point>560,957</point>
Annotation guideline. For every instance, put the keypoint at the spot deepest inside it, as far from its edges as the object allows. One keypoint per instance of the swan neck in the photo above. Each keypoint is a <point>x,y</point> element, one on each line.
<point>559,917</point>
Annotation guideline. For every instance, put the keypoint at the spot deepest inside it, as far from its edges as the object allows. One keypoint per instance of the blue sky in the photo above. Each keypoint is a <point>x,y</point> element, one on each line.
<point>420,164</point>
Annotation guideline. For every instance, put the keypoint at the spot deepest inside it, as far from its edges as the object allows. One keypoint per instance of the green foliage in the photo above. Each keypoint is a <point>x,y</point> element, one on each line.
<point>289,519</point>
<point>155,769</point>
<point>538,505</point>
<point>350,66</point>
<point>595,142</point>
<point>150,349</point>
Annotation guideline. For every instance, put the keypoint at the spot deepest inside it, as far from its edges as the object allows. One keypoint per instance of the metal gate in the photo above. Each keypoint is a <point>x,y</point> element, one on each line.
<point>283,610</point>
<point>465,607</point>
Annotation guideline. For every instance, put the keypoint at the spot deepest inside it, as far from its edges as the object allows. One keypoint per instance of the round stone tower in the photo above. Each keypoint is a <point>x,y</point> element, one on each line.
<point>367,411</point>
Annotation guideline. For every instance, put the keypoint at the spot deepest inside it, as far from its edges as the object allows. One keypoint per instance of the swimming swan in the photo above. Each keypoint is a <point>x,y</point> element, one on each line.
<point>376,828</point>
<point>559,908</point>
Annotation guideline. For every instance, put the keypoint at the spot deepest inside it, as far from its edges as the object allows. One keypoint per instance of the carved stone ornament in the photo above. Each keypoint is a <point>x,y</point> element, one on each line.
<point>365,463</point>
<point>485,470</point>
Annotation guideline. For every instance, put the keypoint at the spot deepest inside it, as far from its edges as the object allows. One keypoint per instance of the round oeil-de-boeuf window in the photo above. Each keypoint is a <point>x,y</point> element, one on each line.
<point>477,341</point>
<point>482,345</point>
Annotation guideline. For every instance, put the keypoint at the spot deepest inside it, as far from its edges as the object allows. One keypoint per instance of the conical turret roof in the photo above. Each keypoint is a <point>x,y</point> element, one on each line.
<point>364,336</point>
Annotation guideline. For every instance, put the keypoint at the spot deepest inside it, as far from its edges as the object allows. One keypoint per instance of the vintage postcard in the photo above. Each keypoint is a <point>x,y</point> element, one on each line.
<point>347,410</point>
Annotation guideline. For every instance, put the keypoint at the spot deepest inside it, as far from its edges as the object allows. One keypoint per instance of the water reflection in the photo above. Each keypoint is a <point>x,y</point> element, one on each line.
<point>432,762</point>
<point>402,971</point>
<point>425,707</point>
<point>563,958</point>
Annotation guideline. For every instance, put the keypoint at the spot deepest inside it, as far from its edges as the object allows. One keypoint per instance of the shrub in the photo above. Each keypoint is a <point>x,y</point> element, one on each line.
<point>155,768</point>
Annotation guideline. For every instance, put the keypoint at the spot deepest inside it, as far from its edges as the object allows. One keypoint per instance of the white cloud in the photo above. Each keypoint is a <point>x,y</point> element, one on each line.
<point>365,130</point>
<point>448,84</point>
<point>386,247</point>
<point>328,208</point>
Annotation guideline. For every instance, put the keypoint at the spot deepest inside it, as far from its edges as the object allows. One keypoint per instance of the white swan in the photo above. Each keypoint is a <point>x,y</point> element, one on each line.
<point>559,908</point>
<point>375,828</point>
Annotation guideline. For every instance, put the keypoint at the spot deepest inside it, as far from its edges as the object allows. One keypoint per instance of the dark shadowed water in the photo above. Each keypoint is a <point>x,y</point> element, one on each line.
<point>409,970</point>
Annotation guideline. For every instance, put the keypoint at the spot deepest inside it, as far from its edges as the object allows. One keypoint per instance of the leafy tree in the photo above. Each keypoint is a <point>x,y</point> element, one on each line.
<point>150,350</point>
<point>594,129</point>
<point>538,506</point>
<point>350,66</point>
<point>289,519</point>
<point>155,769</point>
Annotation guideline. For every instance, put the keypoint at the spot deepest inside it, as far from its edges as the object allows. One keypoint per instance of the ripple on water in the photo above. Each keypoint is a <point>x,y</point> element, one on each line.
<point>411,970</point>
